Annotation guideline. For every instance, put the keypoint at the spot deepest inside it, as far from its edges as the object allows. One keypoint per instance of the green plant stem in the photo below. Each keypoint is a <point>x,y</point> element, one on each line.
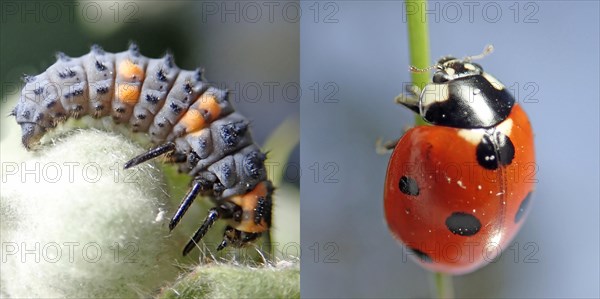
<point>443,285</point>
<point>418,41</point>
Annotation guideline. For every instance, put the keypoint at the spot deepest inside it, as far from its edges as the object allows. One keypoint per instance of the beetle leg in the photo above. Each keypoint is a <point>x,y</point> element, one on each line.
<point>383,148</point>
<point>410,100</point>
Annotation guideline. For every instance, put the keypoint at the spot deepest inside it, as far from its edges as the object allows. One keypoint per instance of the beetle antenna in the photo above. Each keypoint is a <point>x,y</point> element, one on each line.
<point>486,51</point>
<point>415,69</point>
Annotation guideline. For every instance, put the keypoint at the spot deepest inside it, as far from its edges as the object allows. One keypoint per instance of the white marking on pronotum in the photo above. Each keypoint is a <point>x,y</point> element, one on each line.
<point>473,136</point>
<point>434,93</point>
<point>505,127</point>
<point>495,83</point>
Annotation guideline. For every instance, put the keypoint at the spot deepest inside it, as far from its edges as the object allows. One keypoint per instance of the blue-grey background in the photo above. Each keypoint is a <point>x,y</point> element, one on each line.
<point>365,55</point>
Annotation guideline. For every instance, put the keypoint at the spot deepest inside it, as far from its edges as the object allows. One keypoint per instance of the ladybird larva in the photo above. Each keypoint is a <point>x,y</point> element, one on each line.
<point>187,119</point>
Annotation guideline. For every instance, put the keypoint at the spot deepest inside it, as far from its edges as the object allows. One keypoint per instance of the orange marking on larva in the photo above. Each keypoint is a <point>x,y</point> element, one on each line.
<point>209,103</point>
<point>128,93</point>
<point>248,202</point>
<point>193,121</point>
<point>130,70</point>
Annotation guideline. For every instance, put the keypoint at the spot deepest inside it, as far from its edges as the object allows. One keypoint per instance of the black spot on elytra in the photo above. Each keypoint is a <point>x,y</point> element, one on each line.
<point>231,133</point>
<point>463,224</point>
<point>161,125</point>
<point>120,109</point>
<point>38,91</point>
<point>408,186</point>
<point>102,89</point>
<point>99,107</point>
<point>141,116</point>
<point>421,255</point>
<point>50,104</point>
<point>495,150</point>
<point>523,207</point>
<point>100,66</point>
<point>151,98</point>
<point>160,75</point>
<point>253,163</point>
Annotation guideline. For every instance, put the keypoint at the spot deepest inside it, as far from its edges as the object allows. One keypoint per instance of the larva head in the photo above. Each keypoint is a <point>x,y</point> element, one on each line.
<point>28,118</point>
<point>33,108</point>
<point>31,133</point>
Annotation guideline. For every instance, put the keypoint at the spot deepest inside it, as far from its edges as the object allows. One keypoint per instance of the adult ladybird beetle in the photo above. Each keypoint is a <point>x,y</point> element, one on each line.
<point>457,191</point>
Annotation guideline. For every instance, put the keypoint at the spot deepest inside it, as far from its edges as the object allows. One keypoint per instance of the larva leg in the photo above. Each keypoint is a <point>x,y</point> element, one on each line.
<point>213,215</point>
<point>151,154</point>
<point>177,157</point>
<point>236,238</point>
<point>226,210</point>
<point>198,185</point>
